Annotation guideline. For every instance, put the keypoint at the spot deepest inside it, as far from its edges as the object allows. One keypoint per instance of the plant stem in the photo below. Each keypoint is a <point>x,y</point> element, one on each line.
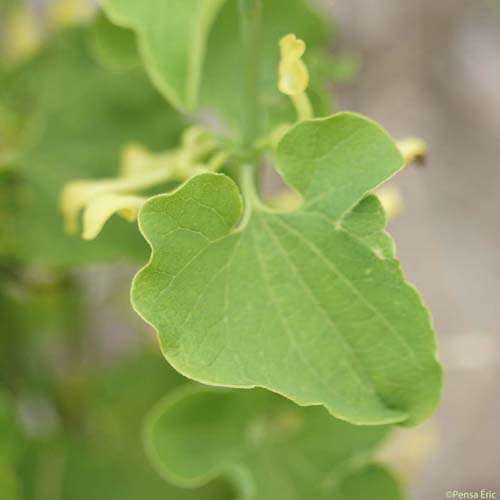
<point>247,183</point>
<point>303,106</point>
<point>250,15</point>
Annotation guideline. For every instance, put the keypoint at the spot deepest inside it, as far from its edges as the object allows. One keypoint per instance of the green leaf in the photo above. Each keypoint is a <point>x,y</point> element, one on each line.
<point>268,447</point>
<point>113,46</point>
<point>311,304</point>
<point>224,73</point>
<point>85,115</point>
<point>172,38</point>
<point>374,480</point>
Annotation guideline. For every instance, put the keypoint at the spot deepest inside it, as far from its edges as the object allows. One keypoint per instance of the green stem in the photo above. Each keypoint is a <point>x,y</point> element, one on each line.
<point>250,197</point>
<point>250,11</point>
<point>250,15</point>
<point>248,183</point>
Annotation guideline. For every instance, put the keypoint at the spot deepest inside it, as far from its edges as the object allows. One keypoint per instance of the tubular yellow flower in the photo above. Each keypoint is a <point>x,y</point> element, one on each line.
<point>294,76</point>
<point>101,208</point>
<point>78,194</point>
<point>413,149</point>
<point>140,169</point>
<point>391,199</point>
<point>293,73</point>
<point>137,160</point>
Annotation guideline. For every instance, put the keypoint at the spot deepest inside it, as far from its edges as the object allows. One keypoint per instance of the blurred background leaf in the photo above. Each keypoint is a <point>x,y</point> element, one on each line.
<point>267,446</point>
<point>84,115</point>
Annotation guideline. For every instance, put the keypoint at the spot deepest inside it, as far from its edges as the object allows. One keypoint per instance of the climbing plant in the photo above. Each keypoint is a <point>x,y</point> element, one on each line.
<point>144,136</point>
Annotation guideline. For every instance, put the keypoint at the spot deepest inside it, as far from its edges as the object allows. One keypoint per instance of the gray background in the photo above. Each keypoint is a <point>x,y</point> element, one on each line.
<point>432,68</point>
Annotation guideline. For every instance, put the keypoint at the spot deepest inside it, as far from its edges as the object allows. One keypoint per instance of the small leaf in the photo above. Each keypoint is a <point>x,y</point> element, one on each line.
<point>269,448</point>
<point>311,303</point>
<point>374,480</point>
<point>115,47</point>
<point>172,38</point>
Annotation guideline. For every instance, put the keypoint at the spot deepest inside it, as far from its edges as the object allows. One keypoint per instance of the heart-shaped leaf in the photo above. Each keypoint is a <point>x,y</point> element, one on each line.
<point>269,448</point>
<point>311,304</point>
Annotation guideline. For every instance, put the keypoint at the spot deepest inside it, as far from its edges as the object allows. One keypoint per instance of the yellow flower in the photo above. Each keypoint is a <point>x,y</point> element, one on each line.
<point>101,198</point>
<point>141,169</point>
<point>294,76</point>
<point>413,149</point>
<point>293,73</point>
<point>101,208</point>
